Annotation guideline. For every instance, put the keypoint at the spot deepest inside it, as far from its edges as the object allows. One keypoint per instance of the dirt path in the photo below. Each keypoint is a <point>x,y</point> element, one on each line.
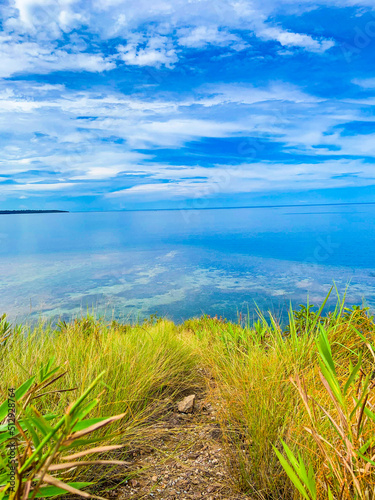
<point>185,461</point>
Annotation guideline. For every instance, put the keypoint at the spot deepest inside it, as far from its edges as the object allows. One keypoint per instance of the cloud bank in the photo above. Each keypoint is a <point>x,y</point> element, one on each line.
<point>123,104</point>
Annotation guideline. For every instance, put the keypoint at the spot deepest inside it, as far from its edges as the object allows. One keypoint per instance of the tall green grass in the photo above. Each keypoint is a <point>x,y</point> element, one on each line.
<point>280,416</point>
<point>142,367</point>
<point>295,402</point>
<point>143,363</point>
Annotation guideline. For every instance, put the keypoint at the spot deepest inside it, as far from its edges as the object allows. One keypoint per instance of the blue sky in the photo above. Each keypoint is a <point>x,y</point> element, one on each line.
<point>123,104</point>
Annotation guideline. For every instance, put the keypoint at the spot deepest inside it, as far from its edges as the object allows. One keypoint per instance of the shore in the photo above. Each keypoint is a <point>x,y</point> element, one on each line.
<point>23,212</point>
<point>211,409</point>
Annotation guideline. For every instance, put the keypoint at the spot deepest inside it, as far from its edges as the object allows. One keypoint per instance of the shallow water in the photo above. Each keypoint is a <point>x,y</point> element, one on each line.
<point>181,264</point>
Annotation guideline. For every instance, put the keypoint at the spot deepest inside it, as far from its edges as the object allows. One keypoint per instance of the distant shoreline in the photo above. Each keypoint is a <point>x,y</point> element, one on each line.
<point>10,212</point>
<point>183,209</point>
<point>15,212</point>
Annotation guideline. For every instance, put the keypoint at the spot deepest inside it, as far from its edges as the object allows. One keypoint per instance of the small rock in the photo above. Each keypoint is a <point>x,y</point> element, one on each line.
<point>187,404</point>
<point>154,478</point>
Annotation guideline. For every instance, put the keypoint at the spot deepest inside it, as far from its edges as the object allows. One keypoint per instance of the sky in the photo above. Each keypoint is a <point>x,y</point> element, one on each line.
<point>123,104</point>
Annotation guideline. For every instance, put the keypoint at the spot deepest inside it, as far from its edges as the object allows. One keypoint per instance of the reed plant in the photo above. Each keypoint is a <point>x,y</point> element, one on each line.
<point>34,447</point>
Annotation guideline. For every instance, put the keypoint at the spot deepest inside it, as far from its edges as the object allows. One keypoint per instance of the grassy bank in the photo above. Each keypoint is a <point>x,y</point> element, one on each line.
<point>295,403</point>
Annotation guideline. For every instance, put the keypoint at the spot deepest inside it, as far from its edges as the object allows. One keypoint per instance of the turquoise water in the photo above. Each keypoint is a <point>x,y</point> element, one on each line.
<point>181,264</point>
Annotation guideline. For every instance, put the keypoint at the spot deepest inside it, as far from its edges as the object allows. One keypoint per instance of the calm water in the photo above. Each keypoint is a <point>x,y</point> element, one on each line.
<point>182,264</point>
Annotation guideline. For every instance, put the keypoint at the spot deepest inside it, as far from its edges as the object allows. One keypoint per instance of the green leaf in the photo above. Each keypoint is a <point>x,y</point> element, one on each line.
<point>300,469</point>
<point>52,491</point>
<point>6,436</point>
<point>86,410</point>
<point>325,350</point>
<point>41,424</point>
<point>61,422</point>
<point>312,482</point>
<point>318,314</point>
<point>49,375</point>
<point>4,477</point>
<point>369,413</point>
<point>327,365</point>
<point>368,443</point>
<point>365,458</point>
<point>22,390</point>
<point>4,427</point>
<point>83,396</point>
<point>366,341</point>
<point>291,474</point>
<point>43,372</point>
<point>292,459</point>
<point>353,374</point>
<point>332,382</point>
<point>80,426</point>
<point>3,410</point>
<point>85,442</point>
<point>34,435</point>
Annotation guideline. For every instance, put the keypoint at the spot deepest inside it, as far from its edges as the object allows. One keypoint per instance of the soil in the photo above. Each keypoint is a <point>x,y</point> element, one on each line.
<point>186,460</point>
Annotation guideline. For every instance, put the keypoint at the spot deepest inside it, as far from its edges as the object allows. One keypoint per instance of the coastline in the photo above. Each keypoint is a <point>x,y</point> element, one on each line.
<point>24,212</point>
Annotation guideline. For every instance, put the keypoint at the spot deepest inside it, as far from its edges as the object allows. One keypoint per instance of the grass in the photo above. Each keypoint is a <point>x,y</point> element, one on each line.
<point>143,366</point>
<point>308,386</point>
<point>296,402</point>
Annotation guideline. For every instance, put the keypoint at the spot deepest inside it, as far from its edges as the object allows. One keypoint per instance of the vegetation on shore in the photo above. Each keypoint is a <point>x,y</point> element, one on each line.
<point>296,403</point>
<point>23,212</point>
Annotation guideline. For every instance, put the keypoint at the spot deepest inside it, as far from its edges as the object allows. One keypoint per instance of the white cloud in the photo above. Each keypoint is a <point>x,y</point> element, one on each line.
<point>54,16</point>
<point>188,129</point>
<point>252,178</point>
<point>36,187</point>
<point>100,173</point>
<point>157,51</point>
<point>241,94</point>
<point>279,110</point>
<point>201,36</point>
<point>290,39</point>
<point>40,36</point>
<point>366,83</point>
<point>87,139</point>
<point>18,57</point>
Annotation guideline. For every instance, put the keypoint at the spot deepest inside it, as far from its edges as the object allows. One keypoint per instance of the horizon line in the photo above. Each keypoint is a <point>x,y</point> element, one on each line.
<point>224,208</point>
